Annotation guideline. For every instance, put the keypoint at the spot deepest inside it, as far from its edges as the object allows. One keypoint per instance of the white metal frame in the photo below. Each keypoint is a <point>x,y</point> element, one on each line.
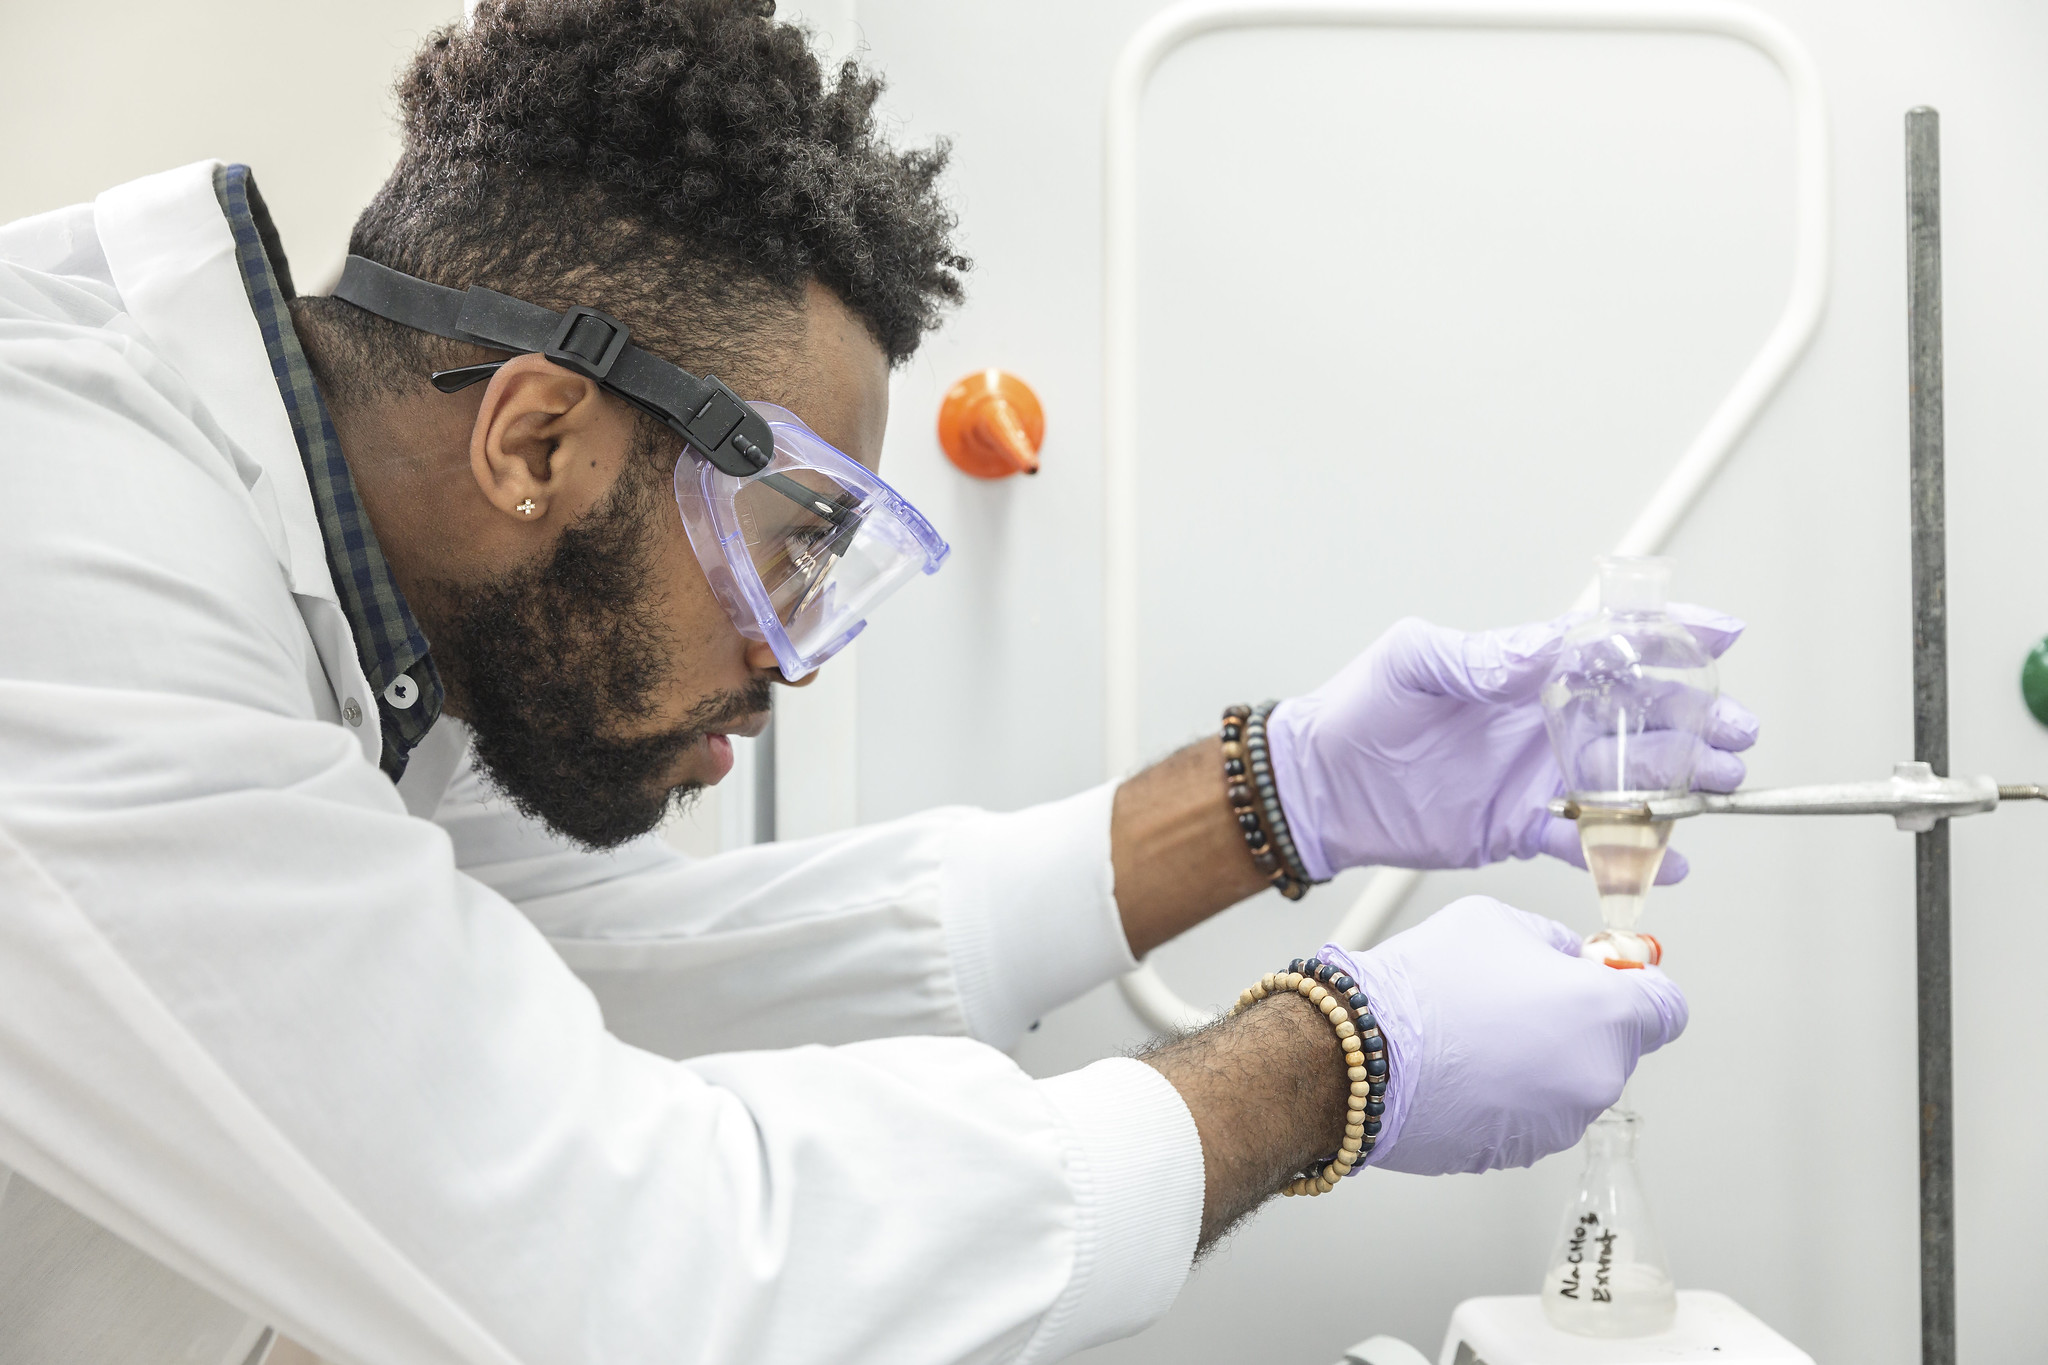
<point>1148,994</point>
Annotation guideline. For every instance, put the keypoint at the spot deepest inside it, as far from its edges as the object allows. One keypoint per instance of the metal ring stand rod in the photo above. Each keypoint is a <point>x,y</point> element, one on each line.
<point>1930,736</point>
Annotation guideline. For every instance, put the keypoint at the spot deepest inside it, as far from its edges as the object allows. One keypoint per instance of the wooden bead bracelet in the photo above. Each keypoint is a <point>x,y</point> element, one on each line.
<point>1256,805</point>
<point>1343,1003</point>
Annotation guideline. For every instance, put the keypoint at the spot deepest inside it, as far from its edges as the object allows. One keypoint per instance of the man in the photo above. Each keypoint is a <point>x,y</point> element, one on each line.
<point>354,645</point>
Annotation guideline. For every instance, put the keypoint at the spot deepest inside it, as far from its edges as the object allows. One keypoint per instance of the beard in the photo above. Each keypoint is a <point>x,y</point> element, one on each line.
<point>555,663</point>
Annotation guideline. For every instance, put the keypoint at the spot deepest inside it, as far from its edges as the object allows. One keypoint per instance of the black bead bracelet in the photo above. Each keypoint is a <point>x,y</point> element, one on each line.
<point>1255,800</point>
<point>1344,1004</point>
<point>1269,794</point>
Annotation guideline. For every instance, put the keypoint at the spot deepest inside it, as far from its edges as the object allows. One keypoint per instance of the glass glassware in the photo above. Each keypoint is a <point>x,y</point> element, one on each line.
<point>1626,707</point>
<point>1608,1276</point>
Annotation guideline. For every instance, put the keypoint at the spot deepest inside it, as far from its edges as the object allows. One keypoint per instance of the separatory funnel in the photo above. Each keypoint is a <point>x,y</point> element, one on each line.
<point>1626,707</point>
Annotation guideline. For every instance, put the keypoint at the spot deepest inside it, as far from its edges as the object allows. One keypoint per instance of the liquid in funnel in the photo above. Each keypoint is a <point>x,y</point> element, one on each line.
<point>1623,851</point>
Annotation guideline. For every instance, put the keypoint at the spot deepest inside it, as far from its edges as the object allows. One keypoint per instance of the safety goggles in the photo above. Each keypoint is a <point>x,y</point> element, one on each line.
<point>799,542</point>
<point>801,552</point>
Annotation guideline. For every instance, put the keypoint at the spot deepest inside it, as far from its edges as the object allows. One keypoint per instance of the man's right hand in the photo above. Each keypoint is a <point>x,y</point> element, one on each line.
<point>1503,1044</point>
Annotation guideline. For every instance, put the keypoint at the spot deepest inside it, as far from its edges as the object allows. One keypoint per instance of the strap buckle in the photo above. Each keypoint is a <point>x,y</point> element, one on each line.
<point>587,341</point>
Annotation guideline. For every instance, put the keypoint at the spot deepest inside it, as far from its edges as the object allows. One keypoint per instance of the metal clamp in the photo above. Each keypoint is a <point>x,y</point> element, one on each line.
<point>1913,796</point>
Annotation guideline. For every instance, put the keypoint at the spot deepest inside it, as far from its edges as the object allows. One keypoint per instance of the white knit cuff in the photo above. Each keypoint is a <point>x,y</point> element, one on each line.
<point>1029,907</point>
<point>1134,1161</point>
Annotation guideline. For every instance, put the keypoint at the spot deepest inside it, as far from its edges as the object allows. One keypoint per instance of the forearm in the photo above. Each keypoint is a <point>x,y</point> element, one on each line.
<point>1267,1091</point>
<point>1177,851</point>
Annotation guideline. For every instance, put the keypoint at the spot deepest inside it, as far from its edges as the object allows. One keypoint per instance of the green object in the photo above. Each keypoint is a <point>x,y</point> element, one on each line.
<point>2034,681</point>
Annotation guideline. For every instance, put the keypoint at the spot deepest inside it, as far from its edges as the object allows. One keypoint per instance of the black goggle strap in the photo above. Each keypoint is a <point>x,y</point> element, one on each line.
<point>844,516</point>
<point>710,416</point>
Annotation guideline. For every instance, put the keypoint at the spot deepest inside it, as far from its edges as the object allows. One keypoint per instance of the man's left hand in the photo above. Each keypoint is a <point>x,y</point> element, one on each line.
<point>1429,751</point>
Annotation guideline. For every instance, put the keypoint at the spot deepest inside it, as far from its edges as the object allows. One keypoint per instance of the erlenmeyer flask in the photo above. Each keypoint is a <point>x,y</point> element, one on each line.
<point>1626,707</point>
<point>1608,1276</point>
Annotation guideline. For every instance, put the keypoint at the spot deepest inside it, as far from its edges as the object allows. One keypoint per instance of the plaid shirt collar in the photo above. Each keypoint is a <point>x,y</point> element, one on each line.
<point>393,652</point>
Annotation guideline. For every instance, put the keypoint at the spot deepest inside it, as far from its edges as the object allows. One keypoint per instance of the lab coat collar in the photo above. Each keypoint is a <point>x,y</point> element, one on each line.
<point>389,643</point>
<point>172,257</point>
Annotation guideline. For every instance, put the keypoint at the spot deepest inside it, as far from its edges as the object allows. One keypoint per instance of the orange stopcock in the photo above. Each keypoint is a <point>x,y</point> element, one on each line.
<point>991,425</point>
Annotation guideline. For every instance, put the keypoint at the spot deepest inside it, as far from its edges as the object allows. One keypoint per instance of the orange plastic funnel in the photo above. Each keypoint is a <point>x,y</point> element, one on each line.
<point>991,426</point>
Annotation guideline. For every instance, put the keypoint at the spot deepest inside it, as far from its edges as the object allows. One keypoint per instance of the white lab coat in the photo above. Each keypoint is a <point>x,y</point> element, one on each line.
<point>402,1074</point>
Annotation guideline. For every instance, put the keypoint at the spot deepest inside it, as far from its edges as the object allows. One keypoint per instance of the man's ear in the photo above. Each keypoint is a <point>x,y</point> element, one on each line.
<point>543,441</point>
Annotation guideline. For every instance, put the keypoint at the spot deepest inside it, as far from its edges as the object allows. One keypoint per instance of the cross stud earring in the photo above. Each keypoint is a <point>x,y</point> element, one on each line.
<point>525,507</point>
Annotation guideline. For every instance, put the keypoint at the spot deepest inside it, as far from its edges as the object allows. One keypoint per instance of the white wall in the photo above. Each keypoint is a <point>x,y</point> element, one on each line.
<point>1502,280</point>
<point>102,93</point>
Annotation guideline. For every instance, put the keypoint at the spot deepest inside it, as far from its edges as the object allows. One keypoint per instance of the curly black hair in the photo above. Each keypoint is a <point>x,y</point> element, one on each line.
<point>681,164</point>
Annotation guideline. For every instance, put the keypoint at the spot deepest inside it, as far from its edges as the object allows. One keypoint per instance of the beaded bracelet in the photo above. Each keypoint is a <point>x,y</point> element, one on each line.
<point>1365,1061</point>
<point>1241,791</point>
<point>1269,794</point>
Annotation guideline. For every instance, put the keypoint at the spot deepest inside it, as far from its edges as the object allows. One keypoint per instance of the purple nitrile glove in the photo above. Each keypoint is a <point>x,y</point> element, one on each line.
<point>1502,1042</point>
<point>1429,750</point>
